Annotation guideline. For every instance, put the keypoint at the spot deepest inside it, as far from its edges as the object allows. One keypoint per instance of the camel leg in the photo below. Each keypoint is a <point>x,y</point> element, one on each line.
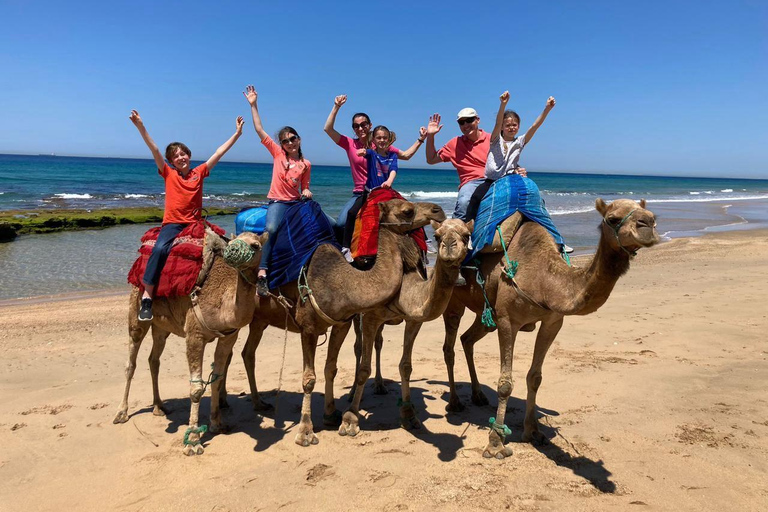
<point>331,415</point>
<point>222,355</point>
<point>350,421</point>
<point>451,319</point>
<point>136,333</point>
<point>356,322</point>
<point>159,337</point>
<point>255,332</point>
<point>475,333</point>
<point>306,435</point>
<point>378,384</point>
<point>544,338</point>
<point>195,352</point>
<point>407,413</point>
<point>507,334</point>
<point>223,402</point>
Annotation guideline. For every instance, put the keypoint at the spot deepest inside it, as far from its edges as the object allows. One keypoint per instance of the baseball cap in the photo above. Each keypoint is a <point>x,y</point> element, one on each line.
<point>466,112</point>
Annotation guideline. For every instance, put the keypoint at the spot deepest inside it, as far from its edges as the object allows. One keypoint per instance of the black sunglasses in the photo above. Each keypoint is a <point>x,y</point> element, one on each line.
<point>355,126</point>
<point>465,120</point>
<point>292,138</point>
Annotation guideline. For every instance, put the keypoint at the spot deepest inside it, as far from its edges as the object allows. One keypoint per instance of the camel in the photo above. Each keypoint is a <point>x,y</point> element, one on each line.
<point>419,300</point>
<point>340,291</point>
<point>226,301</point>
<point>544,289</point>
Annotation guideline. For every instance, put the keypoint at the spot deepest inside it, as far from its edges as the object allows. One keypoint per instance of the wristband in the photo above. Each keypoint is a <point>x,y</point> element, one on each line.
<point>421,140</point>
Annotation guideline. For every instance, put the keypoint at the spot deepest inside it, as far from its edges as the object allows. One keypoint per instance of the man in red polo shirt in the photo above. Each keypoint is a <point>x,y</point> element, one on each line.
<point>468,154</point>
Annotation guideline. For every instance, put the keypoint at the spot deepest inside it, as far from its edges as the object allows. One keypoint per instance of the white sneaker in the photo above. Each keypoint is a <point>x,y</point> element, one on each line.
<point>567,248</point>
<point>347,254</point>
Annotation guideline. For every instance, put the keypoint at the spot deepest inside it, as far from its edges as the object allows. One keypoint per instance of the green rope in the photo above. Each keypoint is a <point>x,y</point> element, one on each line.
<point>487,316</point>
<point>304,290</point>
<point>212,377</point>
<point>566,258</point>
<point>192,430</point>
<point>238,253</point>
<point>510,269</point>
<point>406,403</point>
<point>500,428</point>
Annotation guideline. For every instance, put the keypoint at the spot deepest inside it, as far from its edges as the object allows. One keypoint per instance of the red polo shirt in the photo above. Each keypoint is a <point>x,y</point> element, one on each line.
<point>468,157</point>
<point>183,195</point>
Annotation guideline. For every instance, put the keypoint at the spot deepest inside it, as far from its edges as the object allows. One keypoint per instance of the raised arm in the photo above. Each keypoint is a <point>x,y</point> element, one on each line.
<point>225,147</point>
<point>136,120</point>
<point>539,120</point>
<point>433,128</point>
<point>252,96</point>
<point>408,153</point>
<point>329,129</point>
<point>503,100</point>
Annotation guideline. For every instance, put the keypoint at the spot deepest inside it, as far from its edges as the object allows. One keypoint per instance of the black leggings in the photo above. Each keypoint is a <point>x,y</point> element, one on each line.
<point>477,197</point>
<point>349,226</point>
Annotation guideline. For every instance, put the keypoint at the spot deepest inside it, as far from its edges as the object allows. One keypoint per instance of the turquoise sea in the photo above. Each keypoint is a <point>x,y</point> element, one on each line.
<point>36,265</point>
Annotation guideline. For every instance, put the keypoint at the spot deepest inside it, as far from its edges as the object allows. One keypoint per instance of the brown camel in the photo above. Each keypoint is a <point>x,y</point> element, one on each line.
<point>226,303</point>
<point>544,289</point>
<point>340,291</point>
<point>419,300</point>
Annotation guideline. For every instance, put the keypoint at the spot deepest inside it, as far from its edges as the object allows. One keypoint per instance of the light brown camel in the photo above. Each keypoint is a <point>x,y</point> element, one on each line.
<point>340,292</point>
<point>544,289</point>
<point>419,300</point>
<point>226,302</point>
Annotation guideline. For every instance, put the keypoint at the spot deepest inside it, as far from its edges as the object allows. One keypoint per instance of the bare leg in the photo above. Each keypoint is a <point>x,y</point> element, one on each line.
<point>159,337</point>
<point>222,354</point>
<point>474,334</point>
<point>451,319</point>
<point>378,384</point>
<point>331,415</point>
<point>306,435</point>
<point>544,338</point>
<point>507,334</point>
<point>350,423</point>
<point>255,332</point>
<point>195,353</point>
<point>407,413</point>
<point>136,332</point>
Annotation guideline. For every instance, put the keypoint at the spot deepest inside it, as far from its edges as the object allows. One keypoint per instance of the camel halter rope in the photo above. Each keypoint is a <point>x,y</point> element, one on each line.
<point>615,230</point>
<point>202,429</point>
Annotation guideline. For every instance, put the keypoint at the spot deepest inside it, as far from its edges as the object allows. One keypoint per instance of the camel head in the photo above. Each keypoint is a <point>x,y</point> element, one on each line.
<point>245,250</point>
<point>401,216</point>
<point>627,225</point>
<point>452,237</point>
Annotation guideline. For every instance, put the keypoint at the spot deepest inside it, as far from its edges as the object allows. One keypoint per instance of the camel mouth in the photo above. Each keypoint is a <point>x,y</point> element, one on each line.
<point>647,235</point>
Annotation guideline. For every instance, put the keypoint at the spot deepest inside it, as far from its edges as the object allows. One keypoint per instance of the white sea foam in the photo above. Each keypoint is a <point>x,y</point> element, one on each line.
<point>134,196</point>
<point>240,194</point>
<point>708,199</point>
<point>727,190</point>
<point>694,193</point>
<point>568,211</point>
<point>1,193</point>
<point>427,195</point>
<point>73,196</point>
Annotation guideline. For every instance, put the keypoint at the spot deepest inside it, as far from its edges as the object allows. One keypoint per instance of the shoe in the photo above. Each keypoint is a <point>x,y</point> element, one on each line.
<point>262,286</point>
<point>347,254</point>
<point>567,248</point>
<point>460,281</point>
<point>145,313</point>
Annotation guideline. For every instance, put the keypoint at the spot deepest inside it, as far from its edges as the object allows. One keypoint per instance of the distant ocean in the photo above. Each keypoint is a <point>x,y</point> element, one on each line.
<point>93,260</point>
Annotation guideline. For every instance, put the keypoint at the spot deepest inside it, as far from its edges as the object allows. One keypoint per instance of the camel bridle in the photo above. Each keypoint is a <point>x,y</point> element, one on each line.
<point>616,229</point>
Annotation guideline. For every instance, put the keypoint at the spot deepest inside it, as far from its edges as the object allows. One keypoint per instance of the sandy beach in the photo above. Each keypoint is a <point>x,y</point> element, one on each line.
<point>655,402</point>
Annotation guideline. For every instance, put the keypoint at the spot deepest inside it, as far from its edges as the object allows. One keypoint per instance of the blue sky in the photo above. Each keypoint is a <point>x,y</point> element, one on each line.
<point>670,88</point>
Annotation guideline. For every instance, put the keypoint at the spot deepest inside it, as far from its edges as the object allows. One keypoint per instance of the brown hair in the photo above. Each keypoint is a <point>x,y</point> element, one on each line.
<point>381,127</point>
<point>170,151</point>
<point>292,131</point>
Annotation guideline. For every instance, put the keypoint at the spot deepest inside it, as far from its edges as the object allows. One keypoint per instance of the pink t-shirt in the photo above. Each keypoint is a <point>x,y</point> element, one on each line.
<point>358,164</point>
<point>289,176</point>
<point>466,156</point>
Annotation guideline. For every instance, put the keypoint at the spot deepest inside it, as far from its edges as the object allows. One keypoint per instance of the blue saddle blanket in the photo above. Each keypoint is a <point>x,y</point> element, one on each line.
<point>509,194</point>
<point>304,228</point>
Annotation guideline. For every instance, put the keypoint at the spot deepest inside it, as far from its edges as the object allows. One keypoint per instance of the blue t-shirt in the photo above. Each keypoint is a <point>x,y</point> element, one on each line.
<point>379,167</point>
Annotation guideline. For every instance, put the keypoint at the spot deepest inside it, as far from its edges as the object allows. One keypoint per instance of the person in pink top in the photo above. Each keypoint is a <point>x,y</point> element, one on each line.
<point>468,153</point>
<point>290,181</point>
<point>361,125</point>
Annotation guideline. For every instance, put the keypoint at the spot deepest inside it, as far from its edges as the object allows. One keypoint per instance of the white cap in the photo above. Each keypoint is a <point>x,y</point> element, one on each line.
<point>466,112</point>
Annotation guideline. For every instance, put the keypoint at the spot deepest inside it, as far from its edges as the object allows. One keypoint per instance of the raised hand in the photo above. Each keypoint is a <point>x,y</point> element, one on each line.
<point>550,102</point>
<point>340,100</point>
<point>504,98</point>
<point>136,118</point>
<point>250,94</point>
<point>434,125</point>
<point>521,171</point>
<point>422,133</point>
<point>239,122</point>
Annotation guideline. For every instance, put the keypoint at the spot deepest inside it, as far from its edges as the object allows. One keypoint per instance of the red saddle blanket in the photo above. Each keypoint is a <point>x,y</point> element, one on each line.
<point>185,260</point>
<point>365,241</point>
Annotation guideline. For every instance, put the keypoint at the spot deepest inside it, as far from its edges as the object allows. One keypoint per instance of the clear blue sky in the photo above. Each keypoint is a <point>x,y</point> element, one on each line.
<point>673,87</point>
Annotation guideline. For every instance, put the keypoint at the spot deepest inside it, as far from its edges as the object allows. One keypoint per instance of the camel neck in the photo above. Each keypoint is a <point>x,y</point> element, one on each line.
<point>607,266</point>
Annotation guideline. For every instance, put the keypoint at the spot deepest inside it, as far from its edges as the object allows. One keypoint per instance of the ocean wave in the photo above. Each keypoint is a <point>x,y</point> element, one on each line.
<point>134,196</point>
<point>563,194</point>
<point>569,211</point>
<point>426,195</point>
<point>73,196</point>
<point>727,190</point>
<point>708,199</point>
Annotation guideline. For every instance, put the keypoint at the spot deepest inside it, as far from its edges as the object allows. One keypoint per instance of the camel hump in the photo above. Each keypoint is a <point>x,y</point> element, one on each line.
<point>509,227</point>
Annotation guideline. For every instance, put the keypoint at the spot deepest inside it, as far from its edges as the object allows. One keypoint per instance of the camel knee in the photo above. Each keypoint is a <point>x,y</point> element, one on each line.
<point>309,384</point>
<point>405,370</point>
<point>534,380</point>
<point>196,392</point>
<point>505,387</point>
<point>363,372</point>
<point>330,373</point>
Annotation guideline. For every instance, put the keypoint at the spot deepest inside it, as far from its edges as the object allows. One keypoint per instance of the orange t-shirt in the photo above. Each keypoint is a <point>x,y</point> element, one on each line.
<point>183,196</point>
<point>289,176</point>
<point>466,156</point>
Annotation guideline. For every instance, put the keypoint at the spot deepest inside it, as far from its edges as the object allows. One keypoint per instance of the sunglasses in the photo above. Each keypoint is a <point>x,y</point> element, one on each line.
<point>292,138</point>
<point>466,120</point>
<point>355,126</point>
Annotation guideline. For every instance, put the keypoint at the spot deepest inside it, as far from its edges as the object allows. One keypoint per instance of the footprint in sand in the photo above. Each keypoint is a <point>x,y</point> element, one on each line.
<point>47,409</point>
<point>318,473</point>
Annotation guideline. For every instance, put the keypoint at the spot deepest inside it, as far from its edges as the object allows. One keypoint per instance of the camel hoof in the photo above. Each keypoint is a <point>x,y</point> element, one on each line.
<point>536,438</point>
<point>380,389</point>
<point>410,423</point>
<point>120,417</point>
<point>199,449</point>
<point>349,425</point>
<point>188,450</point>
<point>218,428</point>
<point>262,406</point>
<point>454,405</point>
<point>500,454</point>
<point>306,439</point>
<point>479,399</point>
<point>159,410</point>
<point>333,419</point>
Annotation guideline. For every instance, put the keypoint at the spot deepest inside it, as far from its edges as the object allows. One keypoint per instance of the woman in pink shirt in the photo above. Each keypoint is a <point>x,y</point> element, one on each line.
<point>290,181</point>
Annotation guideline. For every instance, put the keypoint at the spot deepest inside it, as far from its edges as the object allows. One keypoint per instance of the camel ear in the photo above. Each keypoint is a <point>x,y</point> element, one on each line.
<point>642,203</point>
<point>471,225</point>
<point>601,206</point>
<point>263,238</point>
<point>435,225</point>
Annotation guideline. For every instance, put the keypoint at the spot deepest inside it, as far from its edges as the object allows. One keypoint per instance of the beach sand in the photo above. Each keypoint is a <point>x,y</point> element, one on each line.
<point>656,402</point>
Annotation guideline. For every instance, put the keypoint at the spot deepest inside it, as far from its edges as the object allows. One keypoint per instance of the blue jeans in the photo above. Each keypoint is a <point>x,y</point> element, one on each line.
<point>275,214</point>
<point>465,194</point>
<point>160,251</point>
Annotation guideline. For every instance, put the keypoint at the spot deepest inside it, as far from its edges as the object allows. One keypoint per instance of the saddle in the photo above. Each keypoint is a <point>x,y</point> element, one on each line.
<point>188,263</point>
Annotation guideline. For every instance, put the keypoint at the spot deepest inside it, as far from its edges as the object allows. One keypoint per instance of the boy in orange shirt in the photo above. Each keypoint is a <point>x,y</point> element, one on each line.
<point>183,200</point>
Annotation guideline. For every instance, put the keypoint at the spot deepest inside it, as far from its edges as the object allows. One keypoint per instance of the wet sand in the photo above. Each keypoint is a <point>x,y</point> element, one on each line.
<point>655,402</point>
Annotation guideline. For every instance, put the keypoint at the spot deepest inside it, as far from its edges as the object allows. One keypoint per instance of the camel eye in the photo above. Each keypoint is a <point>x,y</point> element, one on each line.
<point>613,221</point>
